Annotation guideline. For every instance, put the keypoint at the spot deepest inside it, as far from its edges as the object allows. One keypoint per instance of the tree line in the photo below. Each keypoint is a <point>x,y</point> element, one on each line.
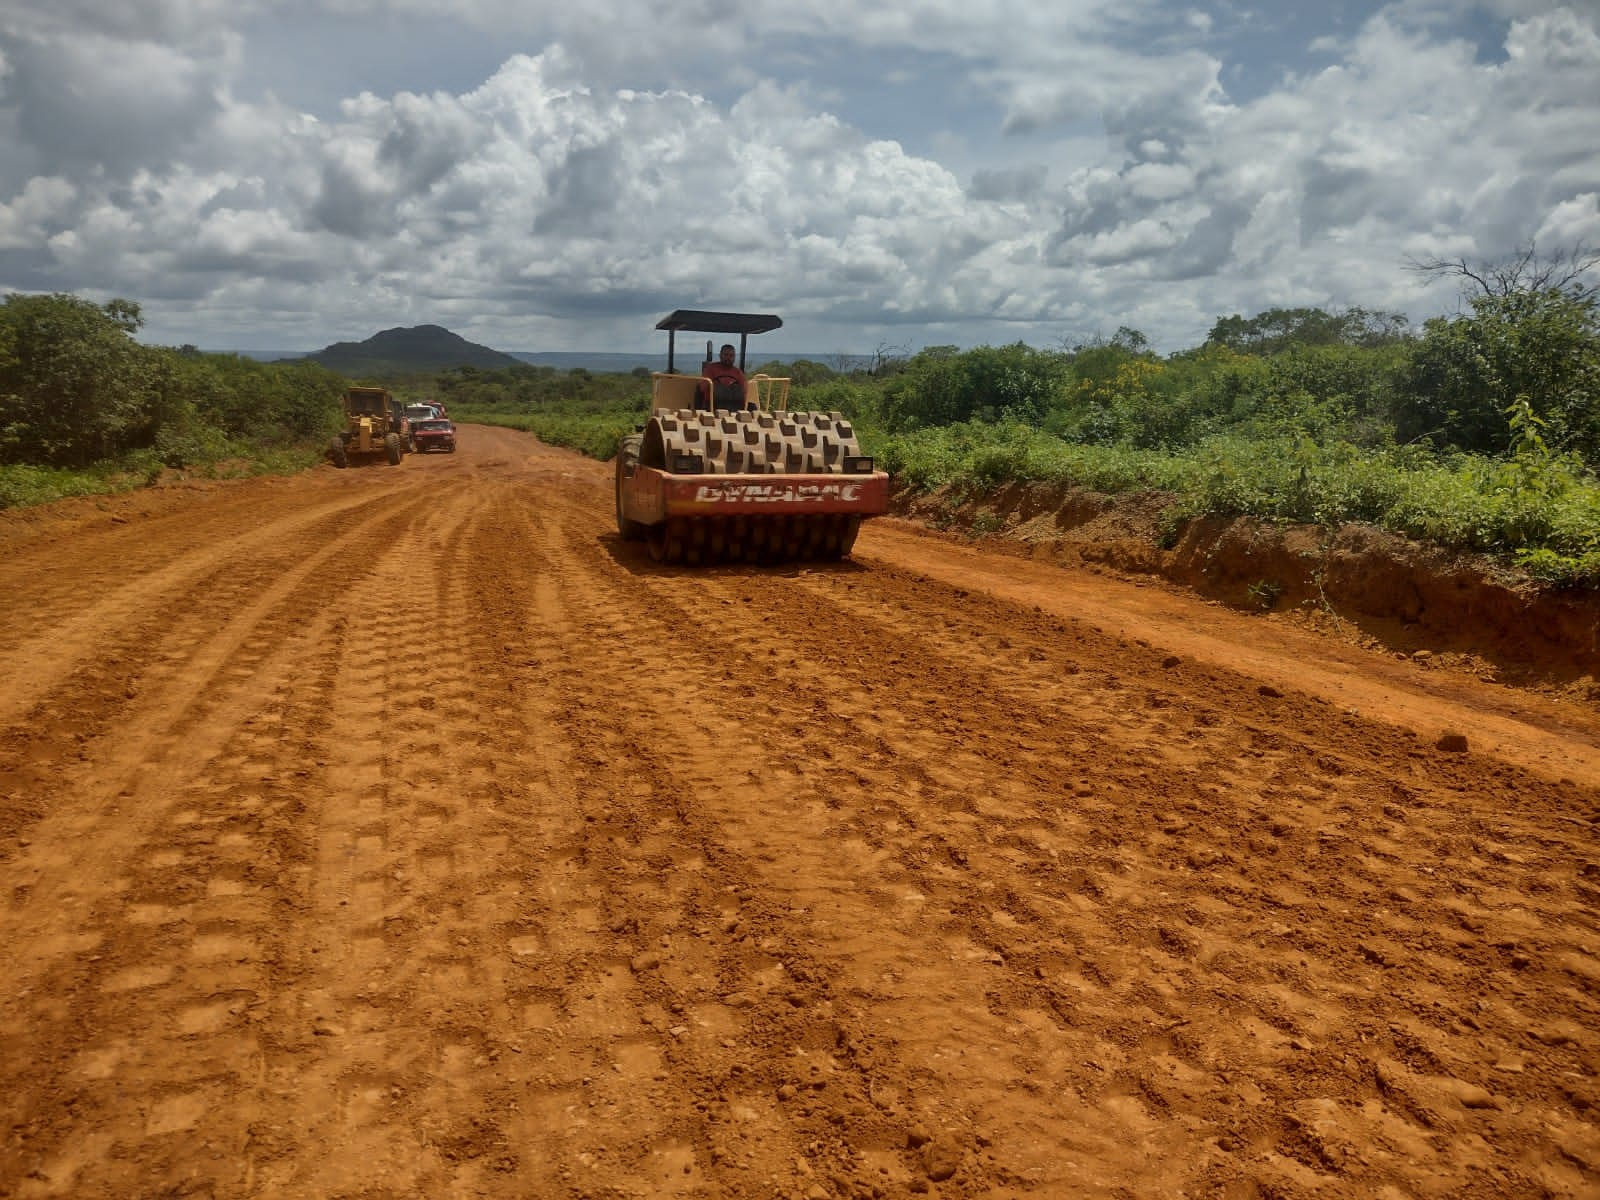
<point>1520,358</point>
<point>1527,339</point>
<point>1354,376</point>
<point>1480,431</point>
<point>76,389</point>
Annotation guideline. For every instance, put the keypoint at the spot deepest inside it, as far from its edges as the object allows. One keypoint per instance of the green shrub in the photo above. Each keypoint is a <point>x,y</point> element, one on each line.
<point>1540,510</point>
<point>23,486</point>
<point>594,434</point>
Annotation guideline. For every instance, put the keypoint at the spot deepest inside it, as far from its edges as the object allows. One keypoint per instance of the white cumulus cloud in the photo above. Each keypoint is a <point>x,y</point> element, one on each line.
<point>930,170</point>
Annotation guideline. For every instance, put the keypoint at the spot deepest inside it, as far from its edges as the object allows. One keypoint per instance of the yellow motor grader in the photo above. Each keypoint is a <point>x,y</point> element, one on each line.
<point>374,423</point>
<point>714,479</point>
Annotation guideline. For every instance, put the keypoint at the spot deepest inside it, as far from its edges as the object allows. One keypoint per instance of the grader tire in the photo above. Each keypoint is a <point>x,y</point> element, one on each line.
<point>336,453</point>
<point>391,449</point>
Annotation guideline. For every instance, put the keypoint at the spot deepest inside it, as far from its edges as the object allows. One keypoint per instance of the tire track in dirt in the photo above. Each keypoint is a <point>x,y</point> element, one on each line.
<point>606,1043</point>
<point>135,637</point>
<point>356,1041</point>
<point>203,648</point>
<point>90,555</point>
<point>77,531</point>
<point>1180,932</point>
<point>753,1014</point>
<point>179,867</point>
<point>455,919</point>
<point>1329,794</point>
<point>581,1058</point>
<point>1560,741</point>
<point>708,759</point>
<point>631,881</point>
<point>801,823</point>
<point>60,714</point>
<point>106,617</point>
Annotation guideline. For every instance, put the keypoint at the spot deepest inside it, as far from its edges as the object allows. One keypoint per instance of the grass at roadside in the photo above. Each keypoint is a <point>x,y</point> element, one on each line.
<point>594,434</point>
<point>24,486</point>
<point>1535,510</point>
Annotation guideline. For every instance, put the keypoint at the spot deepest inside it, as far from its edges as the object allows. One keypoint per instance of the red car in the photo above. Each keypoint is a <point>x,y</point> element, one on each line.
<point>435,434</point>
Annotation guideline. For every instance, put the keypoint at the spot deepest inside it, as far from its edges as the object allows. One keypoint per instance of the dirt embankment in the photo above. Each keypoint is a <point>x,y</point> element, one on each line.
<point>1383,589</point>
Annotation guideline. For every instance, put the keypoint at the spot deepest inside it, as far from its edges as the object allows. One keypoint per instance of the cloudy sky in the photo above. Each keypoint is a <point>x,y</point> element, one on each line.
<point>544,175</point>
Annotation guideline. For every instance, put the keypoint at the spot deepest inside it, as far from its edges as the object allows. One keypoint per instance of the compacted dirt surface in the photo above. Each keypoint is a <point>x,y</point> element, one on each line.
<point>400,832</point>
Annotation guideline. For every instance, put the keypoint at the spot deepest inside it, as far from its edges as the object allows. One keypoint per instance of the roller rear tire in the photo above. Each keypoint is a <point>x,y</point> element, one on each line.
<point>627,459</point>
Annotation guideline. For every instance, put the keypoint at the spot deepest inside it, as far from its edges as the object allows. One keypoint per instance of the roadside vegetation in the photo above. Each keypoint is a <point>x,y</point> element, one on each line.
<point>1478,432</point>
<point>584,411</point>
<point>85,409</point>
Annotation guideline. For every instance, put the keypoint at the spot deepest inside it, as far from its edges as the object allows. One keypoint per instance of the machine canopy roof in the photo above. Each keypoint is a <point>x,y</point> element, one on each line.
<point>690,320</point>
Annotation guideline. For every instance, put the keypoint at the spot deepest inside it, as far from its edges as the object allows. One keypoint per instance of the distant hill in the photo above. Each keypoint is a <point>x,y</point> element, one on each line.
<point>420,348</point>
<point>596,361</point>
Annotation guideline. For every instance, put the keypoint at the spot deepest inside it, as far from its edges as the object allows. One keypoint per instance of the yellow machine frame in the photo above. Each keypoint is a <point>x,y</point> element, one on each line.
<point>674,393</point>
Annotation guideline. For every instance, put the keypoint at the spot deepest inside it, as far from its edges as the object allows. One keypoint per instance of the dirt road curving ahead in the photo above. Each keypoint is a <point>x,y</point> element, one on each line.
<point>400,832</point>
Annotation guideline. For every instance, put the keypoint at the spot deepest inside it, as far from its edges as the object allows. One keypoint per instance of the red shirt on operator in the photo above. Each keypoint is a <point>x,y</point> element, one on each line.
<point>727,382</point>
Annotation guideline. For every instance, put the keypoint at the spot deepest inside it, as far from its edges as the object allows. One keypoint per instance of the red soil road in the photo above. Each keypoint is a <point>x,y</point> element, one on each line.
<point>401,832</point>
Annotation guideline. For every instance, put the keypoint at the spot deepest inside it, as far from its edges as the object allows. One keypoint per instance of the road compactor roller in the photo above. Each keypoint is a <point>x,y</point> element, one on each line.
<point>714,477</point>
